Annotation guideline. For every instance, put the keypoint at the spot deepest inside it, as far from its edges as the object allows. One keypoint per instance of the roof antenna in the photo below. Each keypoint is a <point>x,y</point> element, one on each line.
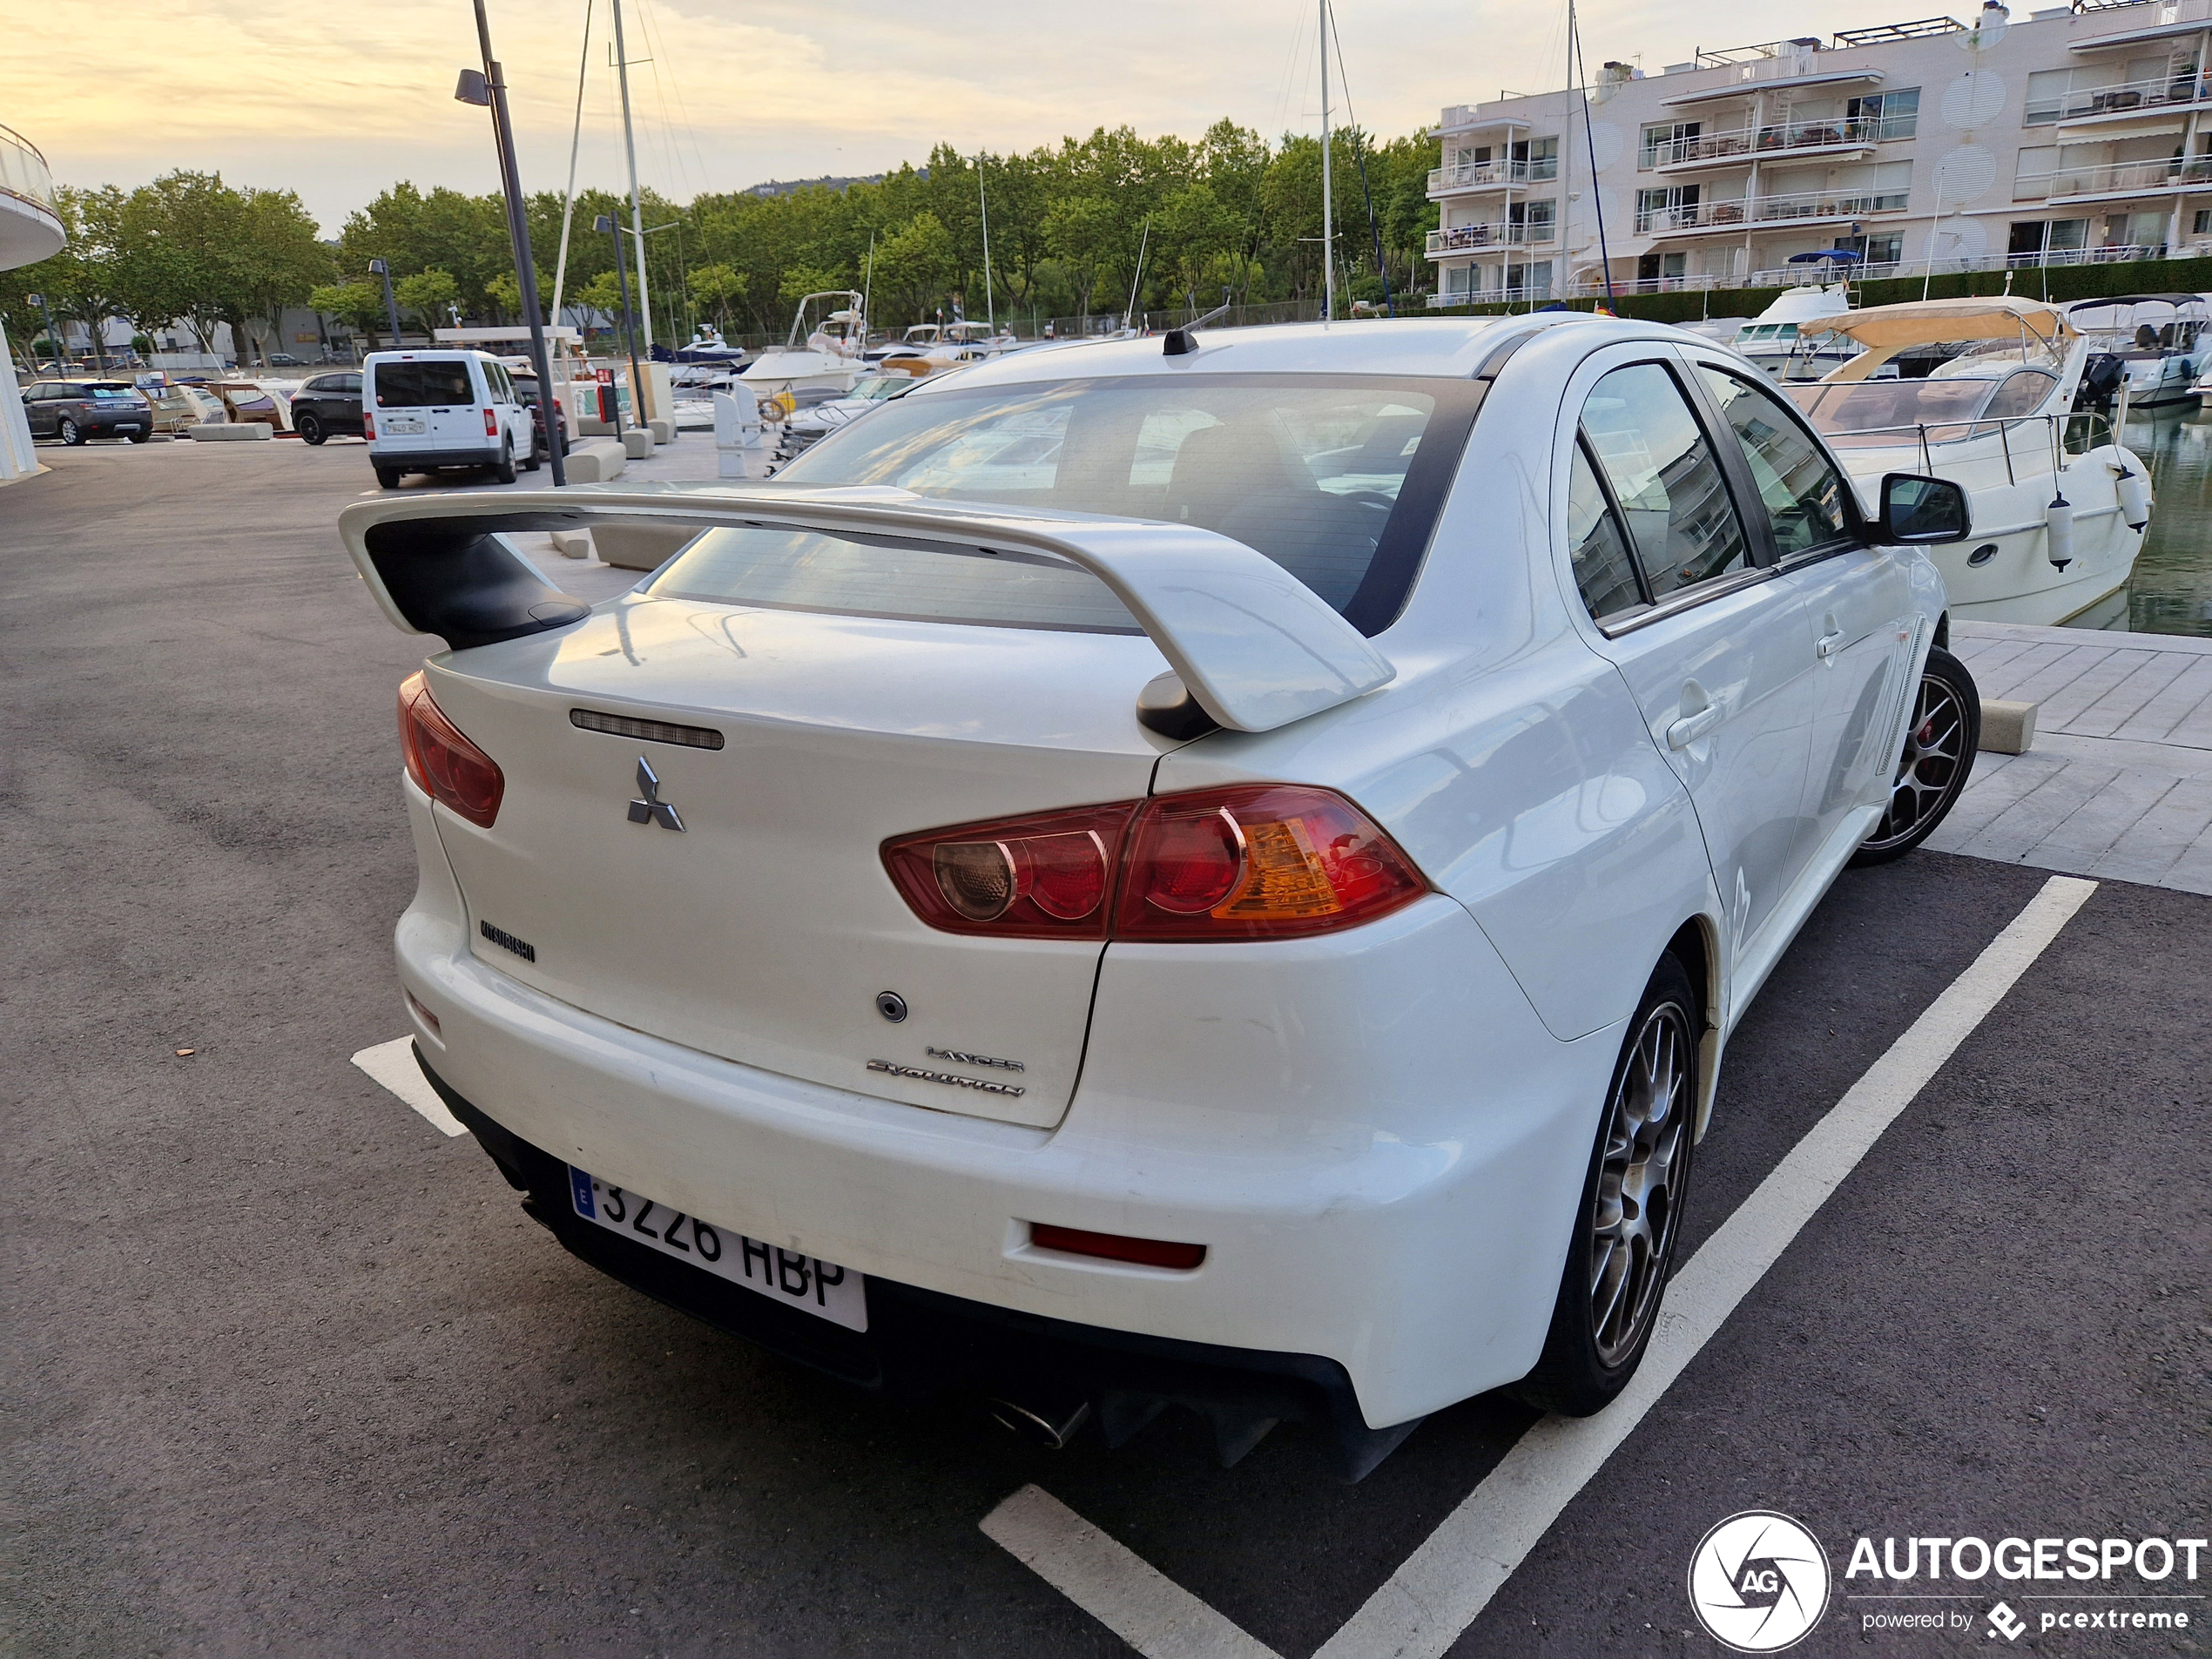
<point>1179,342</point>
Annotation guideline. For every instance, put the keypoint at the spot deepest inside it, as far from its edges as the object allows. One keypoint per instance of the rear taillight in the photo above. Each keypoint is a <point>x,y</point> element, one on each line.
<point>1257,862</point>
<point>1117,1247</point>
<point>491,423</point>
<point>445,766</point>
<point>369,426</point>
<point>1050,876</point>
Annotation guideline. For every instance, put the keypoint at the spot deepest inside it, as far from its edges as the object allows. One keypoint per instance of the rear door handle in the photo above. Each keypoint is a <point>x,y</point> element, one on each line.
<point>1691,727</point>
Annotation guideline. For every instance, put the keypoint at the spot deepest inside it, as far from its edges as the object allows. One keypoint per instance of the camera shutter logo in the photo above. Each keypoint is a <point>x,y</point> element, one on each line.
<point>1758,1583</point>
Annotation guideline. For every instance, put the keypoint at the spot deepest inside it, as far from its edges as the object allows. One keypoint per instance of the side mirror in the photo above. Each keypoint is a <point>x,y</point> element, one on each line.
<point>1918,510</point>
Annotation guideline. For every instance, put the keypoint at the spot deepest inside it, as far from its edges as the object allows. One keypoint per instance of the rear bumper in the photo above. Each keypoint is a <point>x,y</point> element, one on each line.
<point>920,1345</point>
<point>1377,1140</point>
<point>427,460</point>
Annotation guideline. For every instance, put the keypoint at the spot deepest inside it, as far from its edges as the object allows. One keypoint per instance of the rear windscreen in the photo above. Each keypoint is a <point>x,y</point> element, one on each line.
<point>852,575</point>
<point>423,386</point>
<point>1337,479</point>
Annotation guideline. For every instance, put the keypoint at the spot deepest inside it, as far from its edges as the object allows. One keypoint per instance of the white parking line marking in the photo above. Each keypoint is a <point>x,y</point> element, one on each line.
<point>393,1064</point>
<point>1147,1609</point>
<point>1445,1583</point>
<point>1440,1589</point>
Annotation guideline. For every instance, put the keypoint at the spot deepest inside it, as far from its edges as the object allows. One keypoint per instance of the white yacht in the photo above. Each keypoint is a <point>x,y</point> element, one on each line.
<point>2058,507</point>
<point>1785,340</point>
<point>820,357</point>
<point>2154,336</point>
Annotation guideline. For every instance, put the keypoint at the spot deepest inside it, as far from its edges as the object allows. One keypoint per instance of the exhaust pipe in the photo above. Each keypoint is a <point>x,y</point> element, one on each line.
<point>1046,1425</point>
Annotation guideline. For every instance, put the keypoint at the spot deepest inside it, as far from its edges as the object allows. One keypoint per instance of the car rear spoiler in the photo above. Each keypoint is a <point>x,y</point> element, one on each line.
<point>1255,647</point>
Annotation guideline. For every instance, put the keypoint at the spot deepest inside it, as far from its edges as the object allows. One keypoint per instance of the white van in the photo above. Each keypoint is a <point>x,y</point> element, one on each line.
<point>426,411</point>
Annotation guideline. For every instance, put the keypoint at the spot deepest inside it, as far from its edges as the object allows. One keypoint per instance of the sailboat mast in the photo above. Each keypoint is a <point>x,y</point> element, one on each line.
<point>990,308</point>
<point>629,150</point>
<point>575,137</point>
<point>1328,204</point>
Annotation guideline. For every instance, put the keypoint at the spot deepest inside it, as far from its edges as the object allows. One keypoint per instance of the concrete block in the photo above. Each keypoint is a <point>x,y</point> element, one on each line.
<point>594,460</point>
<point>663,431</point>
<point>231,432</point>
<point>640,547</point>
<point>637,443</point>
<point>590,426</point>
<point>2007,728</point>
<point>572,544</point>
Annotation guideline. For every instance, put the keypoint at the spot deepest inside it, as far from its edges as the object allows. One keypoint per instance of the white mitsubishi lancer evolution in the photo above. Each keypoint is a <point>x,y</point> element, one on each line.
<point>1213,871</point>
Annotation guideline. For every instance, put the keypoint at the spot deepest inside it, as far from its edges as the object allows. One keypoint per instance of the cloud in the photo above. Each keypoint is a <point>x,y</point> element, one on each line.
<point>336,101</point>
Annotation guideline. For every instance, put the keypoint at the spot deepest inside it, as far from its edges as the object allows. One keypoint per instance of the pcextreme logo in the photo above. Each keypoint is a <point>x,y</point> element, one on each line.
<point>1759,1581</point>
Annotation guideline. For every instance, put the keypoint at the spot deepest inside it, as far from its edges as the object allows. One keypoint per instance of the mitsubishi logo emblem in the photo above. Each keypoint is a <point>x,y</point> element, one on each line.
<point>649,808</point>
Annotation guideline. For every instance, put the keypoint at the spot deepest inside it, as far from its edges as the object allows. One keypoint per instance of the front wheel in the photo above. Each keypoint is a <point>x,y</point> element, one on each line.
<point>1938,758</point>
<point>310,429</point>
<point>71,432</point>
<point>1631,1216</point>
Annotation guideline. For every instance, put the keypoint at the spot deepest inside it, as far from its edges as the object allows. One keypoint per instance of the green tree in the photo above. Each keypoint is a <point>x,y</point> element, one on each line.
<point>427,294</point>
<point>358,305</point>
<point>1085,234</point>
<point>915,265</point>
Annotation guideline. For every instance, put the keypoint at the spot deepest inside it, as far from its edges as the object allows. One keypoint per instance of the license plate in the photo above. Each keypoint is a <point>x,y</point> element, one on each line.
<point>407,424</point>
<point>807,1283</point>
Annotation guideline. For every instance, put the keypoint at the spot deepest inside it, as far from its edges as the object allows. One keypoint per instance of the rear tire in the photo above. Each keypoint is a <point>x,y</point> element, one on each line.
<point>1938,758</point>
<point>310,430</point>
<point>139,437</point>
<point>389,477</point>
<point>504,472</point>
<point>1630,1212</point>
<point>69,433</point>
<point>534,461</point>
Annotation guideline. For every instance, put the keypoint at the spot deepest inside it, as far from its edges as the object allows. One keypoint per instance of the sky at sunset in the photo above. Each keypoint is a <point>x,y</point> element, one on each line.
<point>335,100</point>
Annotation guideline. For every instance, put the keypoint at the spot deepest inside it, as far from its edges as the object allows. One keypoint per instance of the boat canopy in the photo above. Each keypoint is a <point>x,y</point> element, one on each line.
<point>1887,330</point>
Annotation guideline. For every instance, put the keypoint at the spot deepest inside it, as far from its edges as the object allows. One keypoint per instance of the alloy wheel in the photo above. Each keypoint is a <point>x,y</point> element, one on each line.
<point>1635,1209</point>
<point>1928,769</point>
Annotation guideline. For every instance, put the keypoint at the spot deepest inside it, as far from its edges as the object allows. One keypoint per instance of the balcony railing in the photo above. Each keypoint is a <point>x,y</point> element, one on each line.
<point>1531,294</point>
<point>1747,142</point>
<point>2115,178</point>
<point>1483,175</point>
<point>1464,239</point>
<point>22,170</point>
<point>2182,86</point>
<point>1763,209</point>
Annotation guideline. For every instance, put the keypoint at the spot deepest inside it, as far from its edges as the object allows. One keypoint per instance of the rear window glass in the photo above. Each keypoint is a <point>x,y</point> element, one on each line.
<point>1337,479</point>
<point>852,575</point>
<point>127,394</point>
<point>423,386</point>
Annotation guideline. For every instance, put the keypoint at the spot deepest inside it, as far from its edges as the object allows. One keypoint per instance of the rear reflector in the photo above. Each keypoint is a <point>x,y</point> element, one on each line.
<point>1113,1247</point>
<point>445,766</point>
<point>424,1014</point>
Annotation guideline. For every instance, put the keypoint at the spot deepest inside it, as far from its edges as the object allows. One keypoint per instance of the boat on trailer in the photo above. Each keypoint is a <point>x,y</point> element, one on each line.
<point>2059,506</point>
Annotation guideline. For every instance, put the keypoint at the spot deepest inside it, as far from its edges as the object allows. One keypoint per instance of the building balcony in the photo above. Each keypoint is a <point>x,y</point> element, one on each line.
<point>1744,213</point>
<point>1798,139</point>
<point>1491,175</point>
<point>30,229</point>
<point>1476,239</point>
<point>2115,180</point>
<point>2122,100</point>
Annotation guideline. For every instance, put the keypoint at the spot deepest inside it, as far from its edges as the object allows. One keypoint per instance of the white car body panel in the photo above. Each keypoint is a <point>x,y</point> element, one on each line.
<point>1379,1134</point>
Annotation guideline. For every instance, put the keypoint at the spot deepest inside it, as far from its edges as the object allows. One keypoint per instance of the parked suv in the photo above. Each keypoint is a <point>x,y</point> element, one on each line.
<point>428,411</point>
<point>328,406</point>
<point>526,388</point>
<point>76,410</point>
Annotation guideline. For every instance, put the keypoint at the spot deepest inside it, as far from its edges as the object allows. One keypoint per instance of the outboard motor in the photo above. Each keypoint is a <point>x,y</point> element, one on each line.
<point>2101,379</point>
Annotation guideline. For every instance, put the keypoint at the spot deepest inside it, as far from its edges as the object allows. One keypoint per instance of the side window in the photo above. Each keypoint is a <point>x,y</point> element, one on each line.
<point>350,384</point>
<point>1603,570</point>
<point>1802,492</point>
<point>1663,473</point>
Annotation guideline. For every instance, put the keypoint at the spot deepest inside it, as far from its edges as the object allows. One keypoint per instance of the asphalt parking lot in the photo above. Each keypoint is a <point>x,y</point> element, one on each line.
<point>292,1373</point>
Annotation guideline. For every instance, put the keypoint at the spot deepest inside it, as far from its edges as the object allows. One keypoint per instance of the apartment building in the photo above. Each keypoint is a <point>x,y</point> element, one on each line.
<point>2079,132</point>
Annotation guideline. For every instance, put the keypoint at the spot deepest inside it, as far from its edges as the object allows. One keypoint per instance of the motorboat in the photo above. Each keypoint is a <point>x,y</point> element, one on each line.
<point>2155,338</point>
<point>2058,507</point>
<point>806,427</point>
<point>918,338</point>
<point>1785,340</point>
<point>822,356</point>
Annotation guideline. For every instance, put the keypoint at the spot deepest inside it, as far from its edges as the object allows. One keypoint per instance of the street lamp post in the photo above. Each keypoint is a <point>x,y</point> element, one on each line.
<point>53,334</point>
<point>489,88</point>
<point>606,222</point>
<point>380,268</point>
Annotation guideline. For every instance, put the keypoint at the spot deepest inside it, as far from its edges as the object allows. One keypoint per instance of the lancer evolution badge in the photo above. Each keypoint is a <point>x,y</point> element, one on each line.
<point>650,807</point>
